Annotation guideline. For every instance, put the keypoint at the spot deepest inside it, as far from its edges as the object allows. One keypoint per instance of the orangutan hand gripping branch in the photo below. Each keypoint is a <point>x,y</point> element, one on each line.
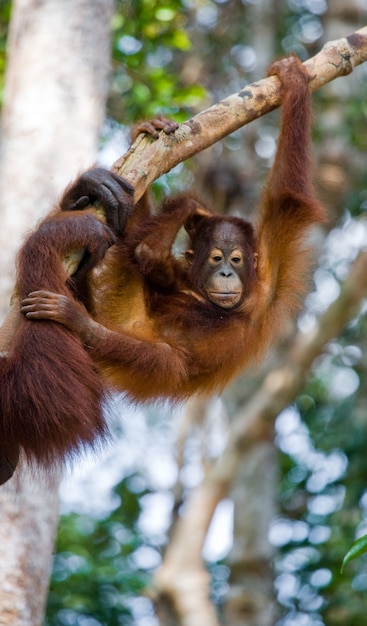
<point>146,323</point>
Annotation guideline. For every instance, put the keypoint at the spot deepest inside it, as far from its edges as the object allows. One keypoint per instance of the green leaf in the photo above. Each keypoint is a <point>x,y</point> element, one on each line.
<point>357,548</point>
<point>165,14</point>
<point>181,41</point>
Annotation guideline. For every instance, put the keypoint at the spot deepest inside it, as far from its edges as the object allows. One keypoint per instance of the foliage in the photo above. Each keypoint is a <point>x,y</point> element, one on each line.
<point>357,548</point>
<point>322,506</point>
<point>96,572</point>
<point>324,474</point>
<point>146,36</point>
<point>5,10</point>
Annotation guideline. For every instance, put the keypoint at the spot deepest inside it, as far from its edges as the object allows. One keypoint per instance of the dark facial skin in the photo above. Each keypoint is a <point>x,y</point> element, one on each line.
<point>226,267</point>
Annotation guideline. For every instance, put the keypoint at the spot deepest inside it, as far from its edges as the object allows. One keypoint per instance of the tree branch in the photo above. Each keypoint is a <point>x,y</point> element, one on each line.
<point>148,159</point>
<point>182,578</point>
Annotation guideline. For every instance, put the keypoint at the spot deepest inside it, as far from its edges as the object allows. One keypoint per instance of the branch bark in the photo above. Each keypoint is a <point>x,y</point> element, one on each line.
<point>148,159</point>
<point>182,581</point>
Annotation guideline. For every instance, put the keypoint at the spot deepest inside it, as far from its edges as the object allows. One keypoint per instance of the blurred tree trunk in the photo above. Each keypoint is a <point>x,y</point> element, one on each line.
<point>55,92</point>
<point>250,601</point>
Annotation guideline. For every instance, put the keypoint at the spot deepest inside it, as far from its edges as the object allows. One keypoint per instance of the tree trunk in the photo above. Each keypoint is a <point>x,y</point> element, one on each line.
<point>55,92</point>
<point>250,601</point>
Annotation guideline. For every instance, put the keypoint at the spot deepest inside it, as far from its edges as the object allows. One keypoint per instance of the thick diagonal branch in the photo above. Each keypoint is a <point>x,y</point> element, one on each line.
<point>148,159</point>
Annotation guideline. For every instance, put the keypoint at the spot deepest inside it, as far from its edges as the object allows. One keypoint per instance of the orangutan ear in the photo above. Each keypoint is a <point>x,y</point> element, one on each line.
<point>189,256</point>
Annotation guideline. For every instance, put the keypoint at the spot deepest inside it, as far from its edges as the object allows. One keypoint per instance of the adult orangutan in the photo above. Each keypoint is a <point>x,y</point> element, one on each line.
<point>146,323</point>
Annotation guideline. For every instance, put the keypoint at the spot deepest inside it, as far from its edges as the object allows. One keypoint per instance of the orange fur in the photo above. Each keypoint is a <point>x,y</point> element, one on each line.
<point>152,332</point>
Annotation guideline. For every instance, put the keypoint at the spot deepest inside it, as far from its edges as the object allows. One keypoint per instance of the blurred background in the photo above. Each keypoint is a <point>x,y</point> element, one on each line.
<point>275,545</point>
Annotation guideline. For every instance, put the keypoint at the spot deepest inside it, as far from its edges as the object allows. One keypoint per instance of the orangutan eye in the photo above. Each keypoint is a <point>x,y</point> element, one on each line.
<point>215,256</point>
<point>237,258</point>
